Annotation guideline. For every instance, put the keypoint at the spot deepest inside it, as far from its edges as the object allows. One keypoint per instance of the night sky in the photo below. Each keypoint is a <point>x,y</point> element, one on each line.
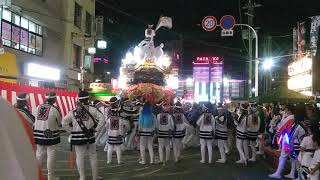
<point>125,21</point>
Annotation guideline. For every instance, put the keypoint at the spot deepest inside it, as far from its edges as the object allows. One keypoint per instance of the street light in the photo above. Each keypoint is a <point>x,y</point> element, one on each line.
<point>272,79</point>
<point>267,64</point>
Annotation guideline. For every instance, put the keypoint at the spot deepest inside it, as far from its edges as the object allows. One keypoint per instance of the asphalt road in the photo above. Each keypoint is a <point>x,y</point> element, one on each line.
<point>188,169</point>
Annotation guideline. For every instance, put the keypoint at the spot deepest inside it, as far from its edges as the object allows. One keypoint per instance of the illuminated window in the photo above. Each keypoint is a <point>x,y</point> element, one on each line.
<point>20,33</point>
<point>6,15</point>
<point>24,23</point>
<point>200,88</point>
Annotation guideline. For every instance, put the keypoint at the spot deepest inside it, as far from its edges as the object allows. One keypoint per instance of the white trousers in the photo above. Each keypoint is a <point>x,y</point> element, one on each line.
<point>146,141</point>
<point>222,145</point>
<point>81,151</point>
<point>242,147</point>
<point>177,148</point>
<point>117,148</point>
<point>253,149</point>
<point>130,139</point>
<point>164,143</point>
<point>206,144</point>
<point>51,158</point>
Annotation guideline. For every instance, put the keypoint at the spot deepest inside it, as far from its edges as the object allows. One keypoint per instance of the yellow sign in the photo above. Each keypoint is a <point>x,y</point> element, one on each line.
<point>8,68</point>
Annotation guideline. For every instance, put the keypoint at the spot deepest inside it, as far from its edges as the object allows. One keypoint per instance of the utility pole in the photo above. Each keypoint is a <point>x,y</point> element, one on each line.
<point>250,6</point>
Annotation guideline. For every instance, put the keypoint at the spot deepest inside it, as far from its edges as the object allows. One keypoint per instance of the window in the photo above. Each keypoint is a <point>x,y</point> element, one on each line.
<point>76,56</point>
<point>24,23</point>
<point>77,15</point>
<point>6,15</point>
<point>20,33</point>
<point>88,23</point>
<point>207,88</point>
<point>200,88</point>
<point>16,19</point>
<point>32,26</point>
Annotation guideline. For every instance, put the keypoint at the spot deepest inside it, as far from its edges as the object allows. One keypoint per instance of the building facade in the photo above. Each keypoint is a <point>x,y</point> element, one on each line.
<point>49,40</point>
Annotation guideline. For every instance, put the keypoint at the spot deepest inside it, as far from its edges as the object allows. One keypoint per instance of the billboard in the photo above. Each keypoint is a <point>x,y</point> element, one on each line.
<point>300,76</point>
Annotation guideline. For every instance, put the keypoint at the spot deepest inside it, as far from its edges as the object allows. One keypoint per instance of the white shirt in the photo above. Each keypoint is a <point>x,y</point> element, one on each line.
<point>316,159</point>
<point>305,158</point>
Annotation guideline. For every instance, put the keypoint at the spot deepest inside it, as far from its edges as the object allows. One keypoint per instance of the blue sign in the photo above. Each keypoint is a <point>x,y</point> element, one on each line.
<point>227,22</point>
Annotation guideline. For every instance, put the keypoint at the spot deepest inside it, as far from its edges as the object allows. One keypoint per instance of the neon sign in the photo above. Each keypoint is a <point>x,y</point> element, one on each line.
<point>207,60</point>
<point>100,59</point>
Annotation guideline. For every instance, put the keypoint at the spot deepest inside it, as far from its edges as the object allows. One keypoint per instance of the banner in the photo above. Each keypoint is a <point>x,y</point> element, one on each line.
<point>65,100</point>
<point>295,41</point>
<point>314,33</point>
<point>301,38</point>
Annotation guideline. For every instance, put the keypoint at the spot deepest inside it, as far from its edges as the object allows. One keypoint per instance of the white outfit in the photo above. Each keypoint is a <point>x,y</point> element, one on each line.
<point>305,156</point>
<point>131,115</point>
<point>283,126</point>
<point>180,125</point>
<point>104,109</point>
<point>116,128</point>
<point>146,140</point>
<point>206,124</point>
<point>242,142</point>
<point>297,133</point>
<point>252,134</point>
<point>46,135</point>
<point>221,134</point>
<point>165,128</point>
<point>84,144</point>
<point>314,162</point>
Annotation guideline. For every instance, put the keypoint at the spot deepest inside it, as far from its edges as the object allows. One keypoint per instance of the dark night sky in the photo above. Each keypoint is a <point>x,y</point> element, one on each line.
<point>125,21</point>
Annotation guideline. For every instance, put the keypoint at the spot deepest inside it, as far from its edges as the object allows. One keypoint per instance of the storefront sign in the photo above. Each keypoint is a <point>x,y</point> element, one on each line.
<point>43,72</point>
<point>207,60</point>
<point>8,68</point>
<point>300,66</point>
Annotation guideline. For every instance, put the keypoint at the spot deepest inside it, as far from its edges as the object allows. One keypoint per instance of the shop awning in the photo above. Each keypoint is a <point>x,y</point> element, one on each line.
<point>8,68</point>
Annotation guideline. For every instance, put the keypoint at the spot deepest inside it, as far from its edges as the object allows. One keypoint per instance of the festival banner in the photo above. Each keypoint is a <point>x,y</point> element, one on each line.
<point>314,33</point>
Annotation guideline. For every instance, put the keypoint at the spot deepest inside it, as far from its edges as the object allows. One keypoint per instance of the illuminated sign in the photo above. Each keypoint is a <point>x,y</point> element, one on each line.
<point>100,85</point>
<point>207,60</point>
<point>43,72</point>
<point>300,82</point>
<point>300,66</point>
<point>300,76</point>
<point>100,59</point>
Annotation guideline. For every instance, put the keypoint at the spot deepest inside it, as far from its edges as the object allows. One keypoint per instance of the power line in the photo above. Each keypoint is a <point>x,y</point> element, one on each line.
<point>176,33</point>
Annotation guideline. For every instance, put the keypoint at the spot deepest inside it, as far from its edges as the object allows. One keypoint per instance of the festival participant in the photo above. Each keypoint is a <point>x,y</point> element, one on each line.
<point>180,125</point>
<point>306,153</point>
<point>315,163</point>
<point>130,111</point>
<point>146,128</point>
<point>221,134</point>
<point>165,126</point>
<point>17,157</point>
<point>84,124</point>
<point>285,127</point>
<point>23,108</point>
<point>296,135</point>
<point>241,137</point>
<point>46,132</point>
<point>206,124</point>
<point>262,113</point>
<point>116,128</point>
<point>253,126</point>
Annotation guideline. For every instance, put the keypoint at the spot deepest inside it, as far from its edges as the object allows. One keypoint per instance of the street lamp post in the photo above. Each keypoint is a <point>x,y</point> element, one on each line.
<point>256,85</point>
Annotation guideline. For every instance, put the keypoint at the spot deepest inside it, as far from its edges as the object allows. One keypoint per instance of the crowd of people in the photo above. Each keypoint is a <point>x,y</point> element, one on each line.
<point>124,124</point>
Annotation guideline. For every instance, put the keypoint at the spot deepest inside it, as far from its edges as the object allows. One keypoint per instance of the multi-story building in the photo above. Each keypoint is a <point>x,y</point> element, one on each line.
<point>50,40</point>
